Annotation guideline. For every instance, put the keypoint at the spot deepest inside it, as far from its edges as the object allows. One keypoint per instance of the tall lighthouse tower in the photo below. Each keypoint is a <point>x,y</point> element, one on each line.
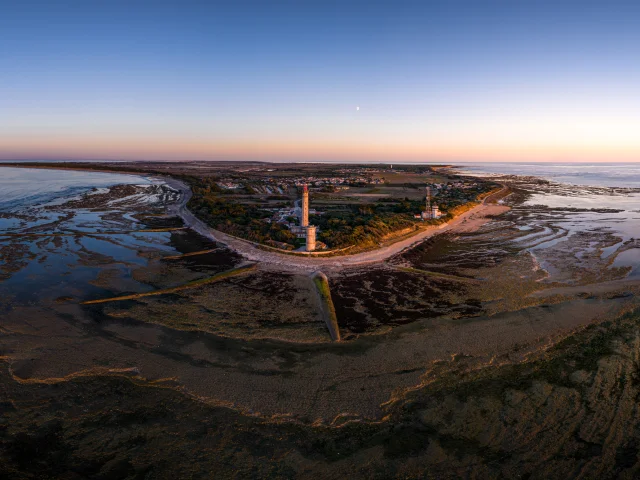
<point>428,197</point>
<point>304,221</point>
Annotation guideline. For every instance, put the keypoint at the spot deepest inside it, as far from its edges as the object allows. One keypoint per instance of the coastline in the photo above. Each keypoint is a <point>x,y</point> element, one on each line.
<point>465,222</point>
<point>458,320</point>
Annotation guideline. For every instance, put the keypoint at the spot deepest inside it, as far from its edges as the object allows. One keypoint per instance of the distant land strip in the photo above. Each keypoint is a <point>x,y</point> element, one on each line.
<point>196,283</point>
<point>75,234</point>
<point>192,254</point>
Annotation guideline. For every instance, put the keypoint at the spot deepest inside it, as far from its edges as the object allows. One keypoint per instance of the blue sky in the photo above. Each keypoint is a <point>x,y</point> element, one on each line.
<point>455,80</point>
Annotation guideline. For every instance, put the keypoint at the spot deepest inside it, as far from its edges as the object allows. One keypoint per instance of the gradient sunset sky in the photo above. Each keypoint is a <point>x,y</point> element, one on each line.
<point>434,81</point>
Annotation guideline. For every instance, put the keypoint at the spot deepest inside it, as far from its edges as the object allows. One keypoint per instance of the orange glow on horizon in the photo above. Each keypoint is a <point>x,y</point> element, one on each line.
<point>105,148</point>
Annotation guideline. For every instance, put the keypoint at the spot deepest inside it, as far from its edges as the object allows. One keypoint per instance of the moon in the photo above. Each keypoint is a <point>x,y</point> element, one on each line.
<point>357,109</point>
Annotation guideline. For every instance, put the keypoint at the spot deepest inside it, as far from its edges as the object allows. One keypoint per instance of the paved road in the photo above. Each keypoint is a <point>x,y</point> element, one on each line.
<point>465,222</point>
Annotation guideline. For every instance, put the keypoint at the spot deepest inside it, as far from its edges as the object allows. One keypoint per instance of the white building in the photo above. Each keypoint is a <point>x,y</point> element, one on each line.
<point>431,214</point>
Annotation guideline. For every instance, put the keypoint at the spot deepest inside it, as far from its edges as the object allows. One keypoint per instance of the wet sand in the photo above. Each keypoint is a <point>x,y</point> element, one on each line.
<point>395,323</point>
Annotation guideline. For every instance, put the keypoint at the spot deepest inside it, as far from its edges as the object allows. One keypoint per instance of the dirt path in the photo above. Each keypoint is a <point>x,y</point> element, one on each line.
<point>468,221</point>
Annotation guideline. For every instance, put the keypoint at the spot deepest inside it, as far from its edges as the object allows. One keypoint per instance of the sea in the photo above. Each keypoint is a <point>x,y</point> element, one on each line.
<point>600,209</point>
<point>48,250</point>
<point>30,186</point>
<point>625,175</point>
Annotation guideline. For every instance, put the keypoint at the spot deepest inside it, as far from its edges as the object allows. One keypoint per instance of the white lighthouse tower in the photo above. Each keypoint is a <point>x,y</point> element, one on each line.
<point>431,211</point>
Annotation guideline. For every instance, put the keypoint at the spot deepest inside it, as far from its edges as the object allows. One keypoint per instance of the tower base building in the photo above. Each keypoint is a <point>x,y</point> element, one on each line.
<point>311,238</point>
<point>432,213</point>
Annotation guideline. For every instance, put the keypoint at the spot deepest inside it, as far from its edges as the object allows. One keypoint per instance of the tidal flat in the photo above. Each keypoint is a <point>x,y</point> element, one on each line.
<point>507,346</point>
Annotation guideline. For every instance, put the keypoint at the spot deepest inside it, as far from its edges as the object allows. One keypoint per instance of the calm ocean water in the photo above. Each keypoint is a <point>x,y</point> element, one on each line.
<point>593,174</point>
<point>25,186</point>
<point>623,219</point>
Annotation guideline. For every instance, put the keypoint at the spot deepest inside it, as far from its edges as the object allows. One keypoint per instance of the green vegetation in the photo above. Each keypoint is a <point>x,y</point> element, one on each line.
<point>251,221</point>
<point>341,225</point>
<point>367,225</point>
<point>363,226</point>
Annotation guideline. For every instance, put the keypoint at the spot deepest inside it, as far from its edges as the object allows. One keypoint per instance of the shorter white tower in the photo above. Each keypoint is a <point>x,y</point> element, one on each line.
<point>311,238</point>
